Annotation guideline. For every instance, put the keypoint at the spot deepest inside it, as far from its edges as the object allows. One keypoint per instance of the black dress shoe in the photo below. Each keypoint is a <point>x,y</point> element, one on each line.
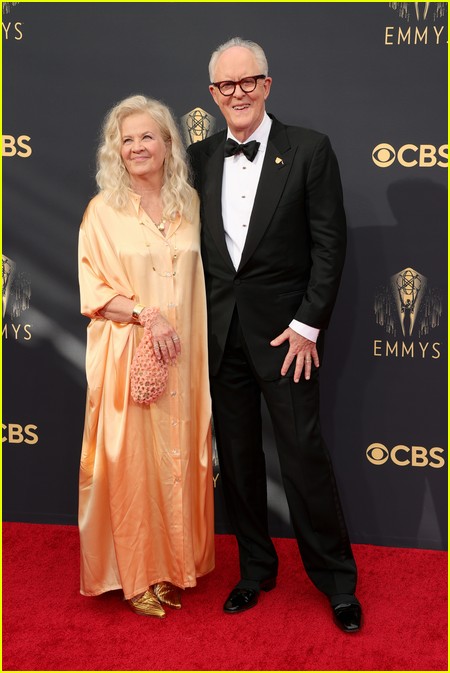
<point>347,616</point>
<point>246,597</point>
<point>240,600</point>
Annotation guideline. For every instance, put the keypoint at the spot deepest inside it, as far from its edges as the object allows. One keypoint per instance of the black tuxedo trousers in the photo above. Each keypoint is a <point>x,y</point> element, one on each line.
<point>306,470</point>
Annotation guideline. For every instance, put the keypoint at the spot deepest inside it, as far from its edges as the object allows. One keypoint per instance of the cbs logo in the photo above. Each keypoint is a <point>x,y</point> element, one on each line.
<point>13,433</point>
<point>12,146</point>
<point>401,455</point>
<point>409,156</point>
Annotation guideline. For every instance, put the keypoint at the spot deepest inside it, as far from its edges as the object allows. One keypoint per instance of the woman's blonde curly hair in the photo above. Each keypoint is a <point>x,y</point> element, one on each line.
<point>112,177</point>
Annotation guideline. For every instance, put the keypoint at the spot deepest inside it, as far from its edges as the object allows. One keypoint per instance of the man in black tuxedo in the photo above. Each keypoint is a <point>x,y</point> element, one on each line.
<point>273,245</point>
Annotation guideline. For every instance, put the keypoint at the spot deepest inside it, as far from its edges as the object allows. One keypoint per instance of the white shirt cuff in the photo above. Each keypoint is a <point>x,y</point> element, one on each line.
<point>306,331</point>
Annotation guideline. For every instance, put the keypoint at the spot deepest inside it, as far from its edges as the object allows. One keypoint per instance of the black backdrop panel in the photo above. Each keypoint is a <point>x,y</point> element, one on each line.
<point>371,75</point>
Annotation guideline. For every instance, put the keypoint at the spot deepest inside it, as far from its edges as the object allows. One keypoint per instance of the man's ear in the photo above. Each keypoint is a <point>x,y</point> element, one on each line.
<point>213,92</point>
<point>267,85</point>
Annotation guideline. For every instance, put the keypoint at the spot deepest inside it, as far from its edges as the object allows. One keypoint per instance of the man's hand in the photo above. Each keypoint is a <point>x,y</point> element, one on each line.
<point>302,349</point>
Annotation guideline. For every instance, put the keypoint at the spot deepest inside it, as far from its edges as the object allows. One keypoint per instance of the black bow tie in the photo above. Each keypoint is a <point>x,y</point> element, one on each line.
<point>250,150</point>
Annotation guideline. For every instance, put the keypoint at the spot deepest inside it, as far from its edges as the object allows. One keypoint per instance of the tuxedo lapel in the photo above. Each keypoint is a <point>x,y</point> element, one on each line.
<point>212,198</point>
<point>275,172</point>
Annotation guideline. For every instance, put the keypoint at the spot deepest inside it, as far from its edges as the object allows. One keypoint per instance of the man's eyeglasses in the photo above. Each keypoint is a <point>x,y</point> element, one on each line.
<point>247,85</point>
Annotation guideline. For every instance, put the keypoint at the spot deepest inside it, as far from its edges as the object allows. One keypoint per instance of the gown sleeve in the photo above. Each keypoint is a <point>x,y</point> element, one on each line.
<point>98,265</point>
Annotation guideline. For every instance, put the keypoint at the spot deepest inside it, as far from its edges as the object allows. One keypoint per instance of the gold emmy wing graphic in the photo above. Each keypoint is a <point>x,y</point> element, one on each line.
<point>419,9</point>
<point>8,271</point>
<point>197,125</point>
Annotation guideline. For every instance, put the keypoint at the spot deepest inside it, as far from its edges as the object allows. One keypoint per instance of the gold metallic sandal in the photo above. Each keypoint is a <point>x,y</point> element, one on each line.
<point>168,594</point>
<point>147,604</point>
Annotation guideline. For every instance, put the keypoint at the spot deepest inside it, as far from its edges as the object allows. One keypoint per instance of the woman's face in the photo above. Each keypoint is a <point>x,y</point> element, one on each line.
<point>143,150</point>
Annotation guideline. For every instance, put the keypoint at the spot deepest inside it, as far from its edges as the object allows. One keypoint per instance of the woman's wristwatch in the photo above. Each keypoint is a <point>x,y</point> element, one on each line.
<point>137,312</point>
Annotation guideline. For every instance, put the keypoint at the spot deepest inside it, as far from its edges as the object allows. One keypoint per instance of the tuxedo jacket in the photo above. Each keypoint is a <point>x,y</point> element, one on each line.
<point>295,247</point>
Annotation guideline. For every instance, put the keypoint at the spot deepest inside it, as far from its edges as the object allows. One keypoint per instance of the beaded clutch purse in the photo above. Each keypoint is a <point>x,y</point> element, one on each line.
<point>148,374</point>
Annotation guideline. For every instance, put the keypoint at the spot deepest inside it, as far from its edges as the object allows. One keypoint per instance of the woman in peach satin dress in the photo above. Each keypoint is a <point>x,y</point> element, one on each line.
<point>146,488</point>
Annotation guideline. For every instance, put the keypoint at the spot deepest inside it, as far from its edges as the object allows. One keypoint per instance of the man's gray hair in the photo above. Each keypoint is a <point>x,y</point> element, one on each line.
<point>256,50</point>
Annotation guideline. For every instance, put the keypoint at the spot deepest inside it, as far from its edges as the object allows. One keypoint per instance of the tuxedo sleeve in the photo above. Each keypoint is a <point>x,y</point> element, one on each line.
<point>327,227</point>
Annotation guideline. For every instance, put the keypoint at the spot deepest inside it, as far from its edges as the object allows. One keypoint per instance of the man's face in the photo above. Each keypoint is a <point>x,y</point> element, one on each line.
<point>243,112</point>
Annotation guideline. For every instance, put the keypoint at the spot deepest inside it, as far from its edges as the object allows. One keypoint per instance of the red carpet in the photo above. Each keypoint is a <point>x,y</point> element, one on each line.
<point>49,626</point>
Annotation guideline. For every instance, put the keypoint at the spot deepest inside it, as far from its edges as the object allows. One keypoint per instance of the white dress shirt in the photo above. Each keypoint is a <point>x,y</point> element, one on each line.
<point>239,185</point>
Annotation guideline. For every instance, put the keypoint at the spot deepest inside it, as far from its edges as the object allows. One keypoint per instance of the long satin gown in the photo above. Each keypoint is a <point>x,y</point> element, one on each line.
<point>146,486</point>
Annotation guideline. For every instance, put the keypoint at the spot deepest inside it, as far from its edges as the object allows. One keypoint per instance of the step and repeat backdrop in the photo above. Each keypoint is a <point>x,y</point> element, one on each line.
<point>370,75</point>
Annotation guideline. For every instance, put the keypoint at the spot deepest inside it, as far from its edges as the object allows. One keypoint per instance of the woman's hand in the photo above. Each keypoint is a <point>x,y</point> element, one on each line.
<point>166,342</point>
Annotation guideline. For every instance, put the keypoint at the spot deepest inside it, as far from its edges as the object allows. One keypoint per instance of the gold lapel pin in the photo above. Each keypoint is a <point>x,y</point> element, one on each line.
<point>279,161</point>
